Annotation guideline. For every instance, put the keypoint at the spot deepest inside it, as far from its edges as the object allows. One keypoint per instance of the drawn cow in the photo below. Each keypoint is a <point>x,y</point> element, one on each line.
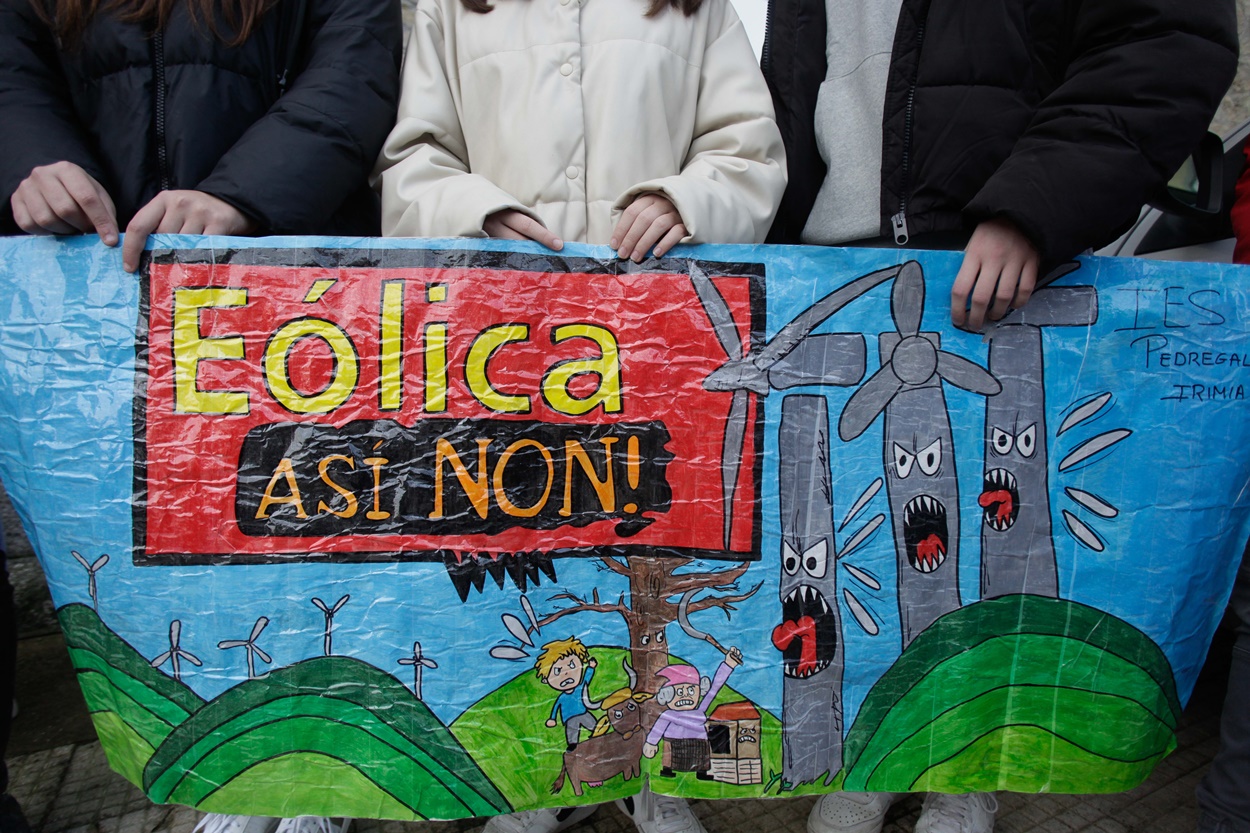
<point>615,747</point>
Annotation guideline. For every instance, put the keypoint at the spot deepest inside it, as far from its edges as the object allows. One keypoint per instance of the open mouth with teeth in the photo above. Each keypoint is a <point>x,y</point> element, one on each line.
<point>924,533</point>
<point>1000,498</point>
<point>808,634</point>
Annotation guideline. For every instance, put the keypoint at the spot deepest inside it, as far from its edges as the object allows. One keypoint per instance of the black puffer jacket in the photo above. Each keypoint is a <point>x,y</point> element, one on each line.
<point>1061,115</point>
<point>296,161</point>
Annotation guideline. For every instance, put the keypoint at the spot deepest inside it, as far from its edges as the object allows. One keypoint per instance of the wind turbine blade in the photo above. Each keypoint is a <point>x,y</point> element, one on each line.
<point>967,375</point>
<point>1086,536</point>
<point>320,605</point>
<point>508,652</point>
<point>261,653</point>
<point>1092,446</point>
<point>1084,412</point>
<point>175,633</point>
<point>907,299</point>
<point>529,612</point>
<point>339,604</point>
<point>191,658</point>
<point>80,559</point>
<point>861,501</point>
<point>515,628</point>
<point>232,643</point>
<point>868,402</point>
<point>429,663</point>
<point>406,661</point>
<point>791,334</point>
<point>162,659</point>
<point>862,577</point>
<point>735,439</point>
<point>862,617</point>
<point>258,627</point>
<point>717,312</point>
<point>1092,502</point>
<point>861,536</point>
<point>100,562</point>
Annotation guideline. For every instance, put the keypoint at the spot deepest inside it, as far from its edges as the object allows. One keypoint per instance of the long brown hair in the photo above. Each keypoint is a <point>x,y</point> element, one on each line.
<point>686,7</point>
<point>69,18</point>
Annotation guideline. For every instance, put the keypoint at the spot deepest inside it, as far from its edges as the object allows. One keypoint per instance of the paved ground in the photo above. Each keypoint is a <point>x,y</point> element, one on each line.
<point>60,776</point>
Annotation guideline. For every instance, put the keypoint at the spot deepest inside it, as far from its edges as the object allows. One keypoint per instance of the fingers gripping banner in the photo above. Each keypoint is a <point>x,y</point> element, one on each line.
<point>438,529</point>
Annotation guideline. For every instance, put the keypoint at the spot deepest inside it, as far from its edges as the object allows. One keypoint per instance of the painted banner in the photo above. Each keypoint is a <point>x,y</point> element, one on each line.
<point>439,529</point>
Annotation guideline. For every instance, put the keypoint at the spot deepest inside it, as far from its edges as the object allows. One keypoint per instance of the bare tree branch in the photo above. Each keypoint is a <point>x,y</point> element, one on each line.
<point>725,602</point>
<point>685,582</point>
<point>615,566</point>
<point>583,607</point>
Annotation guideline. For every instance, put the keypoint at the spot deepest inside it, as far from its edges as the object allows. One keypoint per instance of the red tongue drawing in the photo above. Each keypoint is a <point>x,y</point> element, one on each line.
<point>1000,496</point>
<point>804,629</point>
<point>930,549</point>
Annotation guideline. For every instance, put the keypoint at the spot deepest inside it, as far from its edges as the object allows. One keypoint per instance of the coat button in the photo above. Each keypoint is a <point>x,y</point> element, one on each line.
<point>566,70</point>
<point>570,172</point>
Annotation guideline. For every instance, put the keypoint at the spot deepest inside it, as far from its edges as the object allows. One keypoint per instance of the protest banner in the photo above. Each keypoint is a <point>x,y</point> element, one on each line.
<point>439,529</point>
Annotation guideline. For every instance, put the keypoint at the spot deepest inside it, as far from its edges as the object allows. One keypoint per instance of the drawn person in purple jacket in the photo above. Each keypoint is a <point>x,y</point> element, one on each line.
<point>684,724</point>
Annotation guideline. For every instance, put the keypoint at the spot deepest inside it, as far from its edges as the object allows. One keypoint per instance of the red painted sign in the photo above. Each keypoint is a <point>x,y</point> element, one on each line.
<point>483,404</point>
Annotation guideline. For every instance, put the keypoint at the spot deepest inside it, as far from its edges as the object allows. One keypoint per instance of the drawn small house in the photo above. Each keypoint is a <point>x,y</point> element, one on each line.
<point>733,730</point>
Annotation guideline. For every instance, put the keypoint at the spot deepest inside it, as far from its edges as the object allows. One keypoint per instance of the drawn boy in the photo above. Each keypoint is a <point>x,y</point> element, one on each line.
<point>684,724</point>
<point>567,666</point>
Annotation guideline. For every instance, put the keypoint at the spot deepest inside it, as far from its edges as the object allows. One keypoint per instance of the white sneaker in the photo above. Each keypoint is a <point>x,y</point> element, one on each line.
<point>539,821</point>
<point>653,813</point>
<point>970,813</point>
<point>850,812</point>
<point>223,823</point>
<point>312,824</point>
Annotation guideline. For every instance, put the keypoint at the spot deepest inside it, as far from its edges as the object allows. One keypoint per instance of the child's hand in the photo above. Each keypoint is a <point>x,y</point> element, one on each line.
<point>649,749</point>
<point>551,724</point>
<point>62,198</point>
<point>181,212</point>
<point>651,220</point>
<point>1000,264</point>
<point>510,224</point>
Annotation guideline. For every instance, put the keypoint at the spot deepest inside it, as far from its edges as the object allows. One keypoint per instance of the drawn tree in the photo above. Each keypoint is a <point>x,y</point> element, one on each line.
<point>651,604</point>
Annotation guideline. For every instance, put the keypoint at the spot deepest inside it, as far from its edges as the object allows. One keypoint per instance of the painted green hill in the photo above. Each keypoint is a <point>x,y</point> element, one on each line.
<point>133,705</point>
<point>326,736</point>
<point>1057,695</point>
<point>507,731</point>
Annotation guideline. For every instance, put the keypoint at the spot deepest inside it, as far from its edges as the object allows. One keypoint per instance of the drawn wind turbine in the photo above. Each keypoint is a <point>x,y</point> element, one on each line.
<point>418,661</point>
<point>329,616</point>
<point>809,636</point>
<point>176,654</point>
<point>921,482</point>
<point>250,646</point>
<point>91,569</point>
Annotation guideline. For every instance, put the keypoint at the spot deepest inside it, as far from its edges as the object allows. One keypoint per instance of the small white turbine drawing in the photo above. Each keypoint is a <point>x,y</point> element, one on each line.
<point>250,645</point>
<point>175,654</point>
<point>91,569</point>
<point>329,614</point>
<point>417,661</point>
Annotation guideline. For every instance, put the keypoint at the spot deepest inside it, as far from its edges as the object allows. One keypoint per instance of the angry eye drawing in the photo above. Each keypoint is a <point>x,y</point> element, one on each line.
<point>1026,441</point>
<point>902,461</point>
<point>814,560</point>
<point>1000,441</point>
<point>930,458</point>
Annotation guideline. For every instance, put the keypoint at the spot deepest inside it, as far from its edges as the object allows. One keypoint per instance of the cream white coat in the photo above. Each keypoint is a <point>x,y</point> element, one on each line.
<point>567,109</point>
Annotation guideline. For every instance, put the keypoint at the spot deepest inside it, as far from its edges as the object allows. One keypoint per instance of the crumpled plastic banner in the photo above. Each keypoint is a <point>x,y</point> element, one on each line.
<point>438,529</point>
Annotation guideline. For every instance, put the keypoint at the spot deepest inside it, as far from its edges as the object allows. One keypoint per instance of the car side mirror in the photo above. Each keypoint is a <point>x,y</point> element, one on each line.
<point>1197,189</point>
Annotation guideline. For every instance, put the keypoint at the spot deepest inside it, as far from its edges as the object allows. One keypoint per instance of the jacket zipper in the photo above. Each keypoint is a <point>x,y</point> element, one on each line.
<point>765,58</point>
<point>158,65</point>
<point>899,221</point>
